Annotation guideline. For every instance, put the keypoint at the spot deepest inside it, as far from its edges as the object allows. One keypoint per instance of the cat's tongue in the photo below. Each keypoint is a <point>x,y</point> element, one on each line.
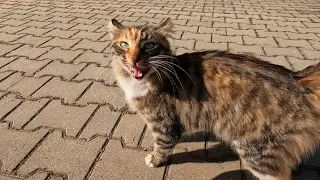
<point>136,72</point>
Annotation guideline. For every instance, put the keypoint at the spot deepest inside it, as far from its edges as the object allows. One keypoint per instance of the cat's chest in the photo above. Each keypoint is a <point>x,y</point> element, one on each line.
<point>133,88</point>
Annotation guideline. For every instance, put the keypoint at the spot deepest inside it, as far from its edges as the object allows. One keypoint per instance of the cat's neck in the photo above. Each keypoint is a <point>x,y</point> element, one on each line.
<point>133,88</point>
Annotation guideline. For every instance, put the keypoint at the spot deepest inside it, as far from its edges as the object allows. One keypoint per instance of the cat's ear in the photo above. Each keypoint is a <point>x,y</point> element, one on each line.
<point>165,25</point>
<point>114,25</point>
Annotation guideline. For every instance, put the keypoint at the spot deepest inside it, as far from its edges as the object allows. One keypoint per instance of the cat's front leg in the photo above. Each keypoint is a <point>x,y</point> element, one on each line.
<point>166,135</point>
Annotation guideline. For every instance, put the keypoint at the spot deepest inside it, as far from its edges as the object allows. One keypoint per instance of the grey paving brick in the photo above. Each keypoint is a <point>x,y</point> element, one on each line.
<point>61,33</point>
<point>255,49</point>
<point>11,29</point>
<point>131,135</point>
<point>180,170</point>
<point>56,88</point>
<point>92,72</point>
<point>28,85</point>
<point>36,31</point>
<point>66,56</point>
<point>262,33</point>
<point>8,103</point>
<point>6,60</point>
<point>14,22</point>
<point>188,44</point>
<point>96,46</point>
<point>299,64</point>
<point>109,165</point>
<point>16,145</point>
<point>59,25</point>
<point>315,44</point>
<point>62,43</point>
<point>10,81</point>
<point>29,51</point>
<point>101,94</point>
<point>25,65</point>
<point>101,123</point>
<point>32,40</point>
<point>93,36</point>
<point>37,24</point>
<point>275,51</point>
<point>23,113</point>
<point>90,56</point>
<point>68,118</point>
<point>200,45</point>
<point>85,27</point>
<point>279,60</point>
<point>218,39</point>
<point>6,48</point>
<point>64,155</point>
<point>56,68</point>
<point>4,37</point>
<point>260,41</point>
<point>203,37</point>
<point>294,43</point>
<point>311,54</point>
<point>236,32</point>
<point>308,36</point>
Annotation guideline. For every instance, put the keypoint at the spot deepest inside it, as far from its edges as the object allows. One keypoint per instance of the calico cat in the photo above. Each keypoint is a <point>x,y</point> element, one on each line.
<point>270,115</point>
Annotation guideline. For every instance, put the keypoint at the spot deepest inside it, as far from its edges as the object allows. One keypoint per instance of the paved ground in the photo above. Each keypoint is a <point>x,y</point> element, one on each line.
<point>63,117</point>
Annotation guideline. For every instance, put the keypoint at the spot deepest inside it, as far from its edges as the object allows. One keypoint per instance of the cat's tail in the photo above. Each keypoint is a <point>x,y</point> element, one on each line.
<point>309,78</point>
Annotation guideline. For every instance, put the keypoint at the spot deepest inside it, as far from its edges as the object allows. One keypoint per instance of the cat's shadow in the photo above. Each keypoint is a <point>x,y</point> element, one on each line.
<point>221,153</point>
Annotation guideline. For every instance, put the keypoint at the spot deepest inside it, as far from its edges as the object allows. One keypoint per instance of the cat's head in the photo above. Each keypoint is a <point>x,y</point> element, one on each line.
<point>135,47</point>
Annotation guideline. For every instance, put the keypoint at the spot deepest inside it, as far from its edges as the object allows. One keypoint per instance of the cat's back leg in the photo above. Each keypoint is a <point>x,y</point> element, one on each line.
<point>265,161</point>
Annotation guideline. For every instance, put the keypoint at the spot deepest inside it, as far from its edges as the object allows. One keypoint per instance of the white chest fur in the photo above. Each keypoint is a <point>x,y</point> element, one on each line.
<point>133,88</point>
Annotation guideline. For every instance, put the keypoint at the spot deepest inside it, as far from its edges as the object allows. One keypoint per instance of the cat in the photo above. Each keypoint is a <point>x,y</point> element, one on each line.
<point>268,114</point>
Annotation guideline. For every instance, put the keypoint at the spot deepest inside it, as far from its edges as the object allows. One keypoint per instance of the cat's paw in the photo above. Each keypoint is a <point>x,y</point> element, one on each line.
<point>153,161</point>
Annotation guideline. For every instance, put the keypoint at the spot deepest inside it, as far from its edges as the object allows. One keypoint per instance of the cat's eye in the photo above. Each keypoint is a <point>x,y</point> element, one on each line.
<point>149,46</point>
<point>124,45</point>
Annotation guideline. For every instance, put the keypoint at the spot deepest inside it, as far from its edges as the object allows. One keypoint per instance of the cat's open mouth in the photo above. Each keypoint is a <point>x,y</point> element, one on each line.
<point>137,72</point>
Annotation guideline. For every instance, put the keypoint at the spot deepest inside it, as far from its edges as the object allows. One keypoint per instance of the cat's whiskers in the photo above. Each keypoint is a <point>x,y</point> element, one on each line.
<point>170,69</point>
<point>158,74</point>
<point>153,58</point>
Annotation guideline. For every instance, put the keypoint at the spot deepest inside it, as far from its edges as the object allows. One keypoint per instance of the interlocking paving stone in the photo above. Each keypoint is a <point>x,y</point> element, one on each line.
<point>29,51</point>
<point>22,114</point>
<point>36,176</point>
<point>61,54</point>
<point>62,43</point>
<point>69,118</point>
<point>65,156</point>
<point>56,88</point>
<point>56,68</point>
<point>130,134</point>
<point>10,81</point>
<point>28,85</point>
<point>129,162</point>
<point>300,64</point>
<point>101,123</point>
<point>16,145</point>
<point>93,72</point>
<point>255,49</point>
<point>8,103</point>
<point>90,56</point>
<point>61,33</point>
<point>95,46</point>
<point>34,31</point>
<point>280,60</point>
<point>25,65</point>
<point>32,40</point>
<point>6,48</point>
<point>6,60</point>
<point>101,94</point>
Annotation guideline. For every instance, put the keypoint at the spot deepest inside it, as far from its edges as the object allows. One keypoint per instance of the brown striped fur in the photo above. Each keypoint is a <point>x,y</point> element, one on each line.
<point>267,113</point>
